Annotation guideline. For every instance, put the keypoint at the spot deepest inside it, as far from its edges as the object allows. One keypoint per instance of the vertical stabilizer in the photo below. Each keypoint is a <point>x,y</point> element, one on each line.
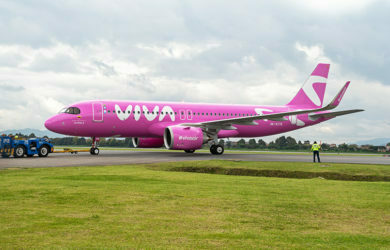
<point>313,90</point>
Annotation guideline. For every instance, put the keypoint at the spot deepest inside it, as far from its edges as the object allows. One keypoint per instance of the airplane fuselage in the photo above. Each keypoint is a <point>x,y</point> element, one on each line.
<point>149,119</point>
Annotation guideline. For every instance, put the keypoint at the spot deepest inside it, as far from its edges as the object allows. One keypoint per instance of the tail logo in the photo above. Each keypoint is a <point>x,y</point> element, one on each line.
<point>309,90</point>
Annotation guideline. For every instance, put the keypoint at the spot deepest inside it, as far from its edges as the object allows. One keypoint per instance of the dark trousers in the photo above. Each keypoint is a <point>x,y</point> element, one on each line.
<point>318,156</point>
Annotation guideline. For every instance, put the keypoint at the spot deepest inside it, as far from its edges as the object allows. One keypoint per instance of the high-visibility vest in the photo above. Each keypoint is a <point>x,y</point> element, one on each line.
<point>315,147</point>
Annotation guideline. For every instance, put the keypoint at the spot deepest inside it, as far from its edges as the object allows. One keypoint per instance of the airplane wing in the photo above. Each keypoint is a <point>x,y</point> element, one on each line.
<point>226,124</point>
<point>334,114</point>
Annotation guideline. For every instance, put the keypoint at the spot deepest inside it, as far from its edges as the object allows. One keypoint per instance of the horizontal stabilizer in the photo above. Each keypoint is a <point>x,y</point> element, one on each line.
<point>334,114</point>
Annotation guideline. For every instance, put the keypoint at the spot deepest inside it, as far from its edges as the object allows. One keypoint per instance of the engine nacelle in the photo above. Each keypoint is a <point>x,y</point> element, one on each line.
<point>184,138</point>
<point>148,142</point>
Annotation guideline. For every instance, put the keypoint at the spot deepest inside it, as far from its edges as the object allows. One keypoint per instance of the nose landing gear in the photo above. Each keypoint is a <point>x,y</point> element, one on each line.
<point>94,149</point>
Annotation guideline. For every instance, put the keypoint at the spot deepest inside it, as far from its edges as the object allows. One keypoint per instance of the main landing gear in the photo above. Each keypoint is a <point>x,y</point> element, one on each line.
<point>94,149</point>
<point>216,149</point>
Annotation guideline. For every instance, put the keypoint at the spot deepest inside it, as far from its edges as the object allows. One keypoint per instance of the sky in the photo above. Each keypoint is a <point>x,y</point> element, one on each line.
<point>54,53</point>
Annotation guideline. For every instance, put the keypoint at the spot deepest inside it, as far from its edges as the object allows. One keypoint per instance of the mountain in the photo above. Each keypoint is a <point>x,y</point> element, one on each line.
<point>375,142</point>
<point>37,132</point>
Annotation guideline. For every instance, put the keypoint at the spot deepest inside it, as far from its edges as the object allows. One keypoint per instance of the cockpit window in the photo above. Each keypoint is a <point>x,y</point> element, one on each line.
<point>71,110</point>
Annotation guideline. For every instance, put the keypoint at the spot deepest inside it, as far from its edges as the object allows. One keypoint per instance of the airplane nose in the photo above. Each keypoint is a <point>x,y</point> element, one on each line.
<point>49,124</point>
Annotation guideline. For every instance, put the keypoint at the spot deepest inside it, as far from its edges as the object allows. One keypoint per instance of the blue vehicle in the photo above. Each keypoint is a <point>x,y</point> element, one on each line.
<point>29,147</point>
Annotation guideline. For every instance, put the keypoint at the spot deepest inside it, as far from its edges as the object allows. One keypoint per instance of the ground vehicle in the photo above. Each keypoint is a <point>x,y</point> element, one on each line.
<point>29,147</point>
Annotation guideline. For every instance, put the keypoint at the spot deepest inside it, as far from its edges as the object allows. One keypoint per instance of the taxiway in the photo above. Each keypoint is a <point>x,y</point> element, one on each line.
<point>120,157</point>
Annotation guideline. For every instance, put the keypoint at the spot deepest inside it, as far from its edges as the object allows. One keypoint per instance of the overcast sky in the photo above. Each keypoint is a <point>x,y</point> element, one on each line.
<point>54,53</point>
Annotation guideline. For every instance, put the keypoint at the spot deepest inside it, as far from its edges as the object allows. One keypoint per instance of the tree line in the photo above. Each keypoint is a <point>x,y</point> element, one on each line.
<point>289,143</point>
<point>281,143</point>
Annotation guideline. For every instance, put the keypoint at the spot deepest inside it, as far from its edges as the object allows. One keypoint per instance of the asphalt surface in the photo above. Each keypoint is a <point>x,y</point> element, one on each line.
<point>120,157</point>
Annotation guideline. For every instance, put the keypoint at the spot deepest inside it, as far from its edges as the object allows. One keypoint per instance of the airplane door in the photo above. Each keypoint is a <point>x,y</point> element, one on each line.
<point>97,112</point>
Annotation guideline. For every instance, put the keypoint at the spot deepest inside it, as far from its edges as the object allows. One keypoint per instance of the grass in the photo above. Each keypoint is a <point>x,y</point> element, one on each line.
<point>148,206</point>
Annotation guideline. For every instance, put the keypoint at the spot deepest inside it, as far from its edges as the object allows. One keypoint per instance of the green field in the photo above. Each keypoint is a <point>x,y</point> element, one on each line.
<point>160,206</point>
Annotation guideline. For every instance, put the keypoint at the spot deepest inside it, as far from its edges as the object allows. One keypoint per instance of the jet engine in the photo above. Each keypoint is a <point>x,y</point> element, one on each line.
<point>148,142</point>
<point>184,138</point>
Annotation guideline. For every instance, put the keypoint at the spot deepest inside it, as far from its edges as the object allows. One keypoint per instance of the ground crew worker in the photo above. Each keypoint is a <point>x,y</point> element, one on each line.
<point>316,151</point>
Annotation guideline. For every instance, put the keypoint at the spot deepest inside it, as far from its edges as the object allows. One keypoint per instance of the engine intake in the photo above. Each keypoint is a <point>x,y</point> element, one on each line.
<point>184,138</point>
<point>148,142</point>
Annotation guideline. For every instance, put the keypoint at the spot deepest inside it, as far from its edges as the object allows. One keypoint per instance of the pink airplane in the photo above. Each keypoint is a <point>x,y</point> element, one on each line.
<point>187,126</point>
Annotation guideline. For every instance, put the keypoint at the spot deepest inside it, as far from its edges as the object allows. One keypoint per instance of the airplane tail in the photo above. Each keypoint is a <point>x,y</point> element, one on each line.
<point>311,95</point>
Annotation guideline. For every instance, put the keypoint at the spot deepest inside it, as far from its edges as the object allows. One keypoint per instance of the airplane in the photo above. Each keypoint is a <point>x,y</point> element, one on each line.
<point>188,126</point>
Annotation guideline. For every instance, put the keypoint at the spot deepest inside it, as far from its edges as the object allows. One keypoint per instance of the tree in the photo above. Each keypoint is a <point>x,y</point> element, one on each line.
<point>252,144</point>
<point>261,144</point>
<point>291,143</point>
<point>281,143</point>
<point>353,147</point>
<point>343,147</point>
<point>32,135</point>
<point>221,142</point>
<point>325,146</point>
<point>241,143</point>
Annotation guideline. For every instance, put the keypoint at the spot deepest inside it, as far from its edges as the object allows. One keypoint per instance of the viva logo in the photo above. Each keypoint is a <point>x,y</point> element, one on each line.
<point>150,115</point>
<point>309,90</point>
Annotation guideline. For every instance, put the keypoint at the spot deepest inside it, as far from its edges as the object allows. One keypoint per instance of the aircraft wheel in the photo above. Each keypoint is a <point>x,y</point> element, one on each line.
<point>19,151</point>
<point>219,149</point>
<point>43,151</point>
<point>212,149</point>
<point>189,151</point>
<point>94,151</point>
